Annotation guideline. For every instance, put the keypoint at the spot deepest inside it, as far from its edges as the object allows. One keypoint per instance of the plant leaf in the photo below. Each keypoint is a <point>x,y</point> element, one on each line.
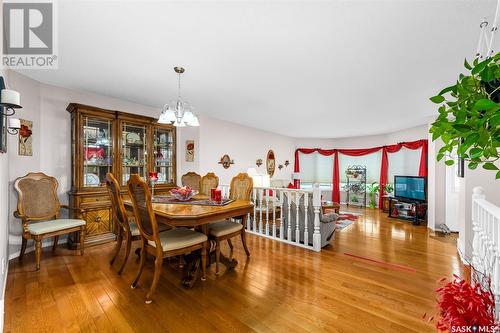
<point>437,99</point>
<point>498,175</point>
<point>490,166</point>
<point>484,104</point>
<point>466,64</point>
<point>449,162</point>
<point>475,152</point>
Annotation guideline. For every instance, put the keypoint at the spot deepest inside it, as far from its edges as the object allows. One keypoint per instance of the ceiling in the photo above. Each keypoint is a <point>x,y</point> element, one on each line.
<point>305,69</point>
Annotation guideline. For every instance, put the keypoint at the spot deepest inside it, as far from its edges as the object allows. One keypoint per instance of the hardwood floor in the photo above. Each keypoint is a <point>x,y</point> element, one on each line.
<point>281,288</point>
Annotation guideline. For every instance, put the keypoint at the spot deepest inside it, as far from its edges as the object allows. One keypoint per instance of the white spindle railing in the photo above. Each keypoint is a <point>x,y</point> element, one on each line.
<point>486,241</point>
<point>268,218</point>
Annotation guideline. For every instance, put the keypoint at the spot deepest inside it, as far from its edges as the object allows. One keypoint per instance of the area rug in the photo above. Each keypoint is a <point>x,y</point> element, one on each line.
<point>346,219</point>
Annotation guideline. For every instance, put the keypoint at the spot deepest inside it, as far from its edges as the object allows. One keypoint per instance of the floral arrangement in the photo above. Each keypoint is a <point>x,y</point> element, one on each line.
<point>463,305</point>
<point>183,193</point>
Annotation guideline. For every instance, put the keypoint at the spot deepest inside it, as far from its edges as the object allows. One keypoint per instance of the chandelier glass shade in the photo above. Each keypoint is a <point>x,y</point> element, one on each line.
<point>178,112</point>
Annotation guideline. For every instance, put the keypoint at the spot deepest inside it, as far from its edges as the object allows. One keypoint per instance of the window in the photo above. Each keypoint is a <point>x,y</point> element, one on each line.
<point>405,162</point>
<point>316,168</point>
<point>371,161</point>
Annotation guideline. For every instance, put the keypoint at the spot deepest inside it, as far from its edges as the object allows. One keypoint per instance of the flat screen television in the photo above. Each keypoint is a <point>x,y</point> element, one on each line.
<point>410,187</point>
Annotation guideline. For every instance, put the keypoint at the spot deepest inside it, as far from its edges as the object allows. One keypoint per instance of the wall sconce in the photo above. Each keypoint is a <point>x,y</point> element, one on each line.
<point>287,163</point>
<point>10,100</point>
<point>280,166</point>
<point>258,162</point>
<point>14,126</point>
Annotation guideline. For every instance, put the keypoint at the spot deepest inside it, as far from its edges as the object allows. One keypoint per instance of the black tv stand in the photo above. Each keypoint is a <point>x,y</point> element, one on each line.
<point>407,209</point>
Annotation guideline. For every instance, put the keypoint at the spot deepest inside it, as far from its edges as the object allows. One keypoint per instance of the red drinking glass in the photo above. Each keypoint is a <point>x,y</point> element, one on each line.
<point>153,176</point>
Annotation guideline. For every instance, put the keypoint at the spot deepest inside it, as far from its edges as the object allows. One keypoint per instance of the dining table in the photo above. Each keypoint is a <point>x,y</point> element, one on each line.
<point>199,216</point>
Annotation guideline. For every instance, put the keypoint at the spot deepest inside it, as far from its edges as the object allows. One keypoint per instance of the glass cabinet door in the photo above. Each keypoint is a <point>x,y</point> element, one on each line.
<point>134,151</point>
<point>163,151</point>
<point>97,150</point>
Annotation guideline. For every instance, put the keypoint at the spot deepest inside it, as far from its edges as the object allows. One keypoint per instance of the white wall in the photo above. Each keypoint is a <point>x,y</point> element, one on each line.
<point>243,144</point>
<point>4,205</point>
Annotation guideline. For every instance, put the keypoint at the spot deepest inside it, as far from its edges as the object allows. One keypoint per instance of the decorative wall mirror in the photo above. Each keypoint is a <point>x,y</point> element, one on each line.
<point>226,161</point>
<point>270,163</point>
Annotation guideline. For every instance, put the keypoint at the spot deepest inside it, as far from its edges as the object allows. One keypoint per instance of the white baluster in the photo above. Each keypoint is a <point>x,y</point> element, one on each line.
<point>274,198</point>
<point>297,217</point>
<point>282,223</point>
<point>306,228</point>
<point>289,221</point>
<point>478,193</point>
<point>317,209</point>
<point>260,210</point>
<point>254,196</point>
<point>266,191</point>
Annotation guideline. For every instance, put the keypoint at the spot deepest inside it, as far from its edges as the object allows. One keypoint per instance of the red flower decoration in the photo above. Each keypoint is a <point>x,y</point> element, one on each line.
<point>461,304</point>
<point>25,132</point>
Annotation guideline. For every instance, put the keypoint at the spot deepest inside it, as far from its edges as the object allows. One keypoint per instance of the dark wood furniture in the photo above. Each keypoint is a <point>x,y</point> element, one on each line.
<point>330,205</point>
<point>200,217</point>
<point>415,211</point>
<point>385,203</point>
<point>120,143</point>
<point>191,179</point>
<point>240,189</point>
<point>174,242</point>
<point>208,182</point>
<point>125,228</point>
<point>38,207</point>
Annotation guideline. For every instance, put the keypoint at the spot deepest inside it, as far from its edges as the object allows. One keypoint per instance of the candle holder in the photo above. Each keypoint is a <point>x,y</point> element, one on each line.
<point>153,178</point>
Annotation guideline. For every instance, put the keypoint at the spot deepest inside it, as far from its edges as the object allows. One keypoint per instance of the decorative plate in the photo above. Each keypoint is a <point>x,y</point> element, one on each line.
<point>91,179</point>
<point>133,138</point>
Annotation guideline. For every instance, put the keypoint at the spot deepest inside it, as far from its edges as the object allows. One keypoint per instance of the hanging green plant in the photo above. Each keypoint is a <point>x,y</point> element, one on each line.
<point>469,116</point>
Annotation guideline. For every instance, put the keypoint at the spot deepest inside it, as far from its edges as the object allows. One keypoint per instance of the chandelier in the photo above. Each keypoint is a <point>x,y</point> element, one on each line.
<point>178,112</point>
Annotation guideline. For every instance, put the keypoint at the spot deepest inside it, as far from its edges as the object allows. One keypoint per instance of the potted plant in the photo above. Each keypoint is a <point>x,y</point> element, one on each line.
<point>388,189</point>
<point>469,116</point>
<point>372,190</point>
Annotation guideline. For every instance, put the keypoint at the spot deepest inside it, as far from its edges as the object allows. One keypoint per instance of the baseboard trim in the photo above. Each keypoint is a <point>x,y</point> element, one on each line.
<point>2,299</point>
<point>45,243</point>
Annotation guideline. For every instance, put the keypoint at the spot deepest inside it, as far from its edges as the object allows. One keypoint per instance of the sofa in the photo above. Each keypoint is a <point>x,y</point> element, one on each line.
<point>327,221</point>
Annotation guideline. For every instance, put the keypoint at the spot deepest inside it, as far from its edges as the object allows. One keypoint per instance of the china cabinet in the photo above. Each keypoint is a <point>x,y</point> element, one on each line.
<point>121,143</point>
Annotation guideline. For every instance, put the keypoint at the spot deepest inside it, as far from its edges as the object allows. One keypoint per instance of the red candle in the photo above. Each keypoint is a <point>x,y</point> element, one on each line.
<point>153,176</point>
<point>217,195</point>
<point>212,193</point>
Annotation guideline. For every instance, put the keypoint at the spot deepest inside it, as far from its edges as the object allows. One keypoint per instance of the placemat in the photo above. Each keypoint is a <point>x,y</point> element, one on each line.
<point>199,202</point>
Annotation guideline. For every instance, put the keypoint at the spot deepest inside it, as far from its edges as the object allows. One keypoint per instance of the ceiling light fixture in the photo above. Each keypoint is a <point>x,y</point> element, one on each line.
<point>179,113</point>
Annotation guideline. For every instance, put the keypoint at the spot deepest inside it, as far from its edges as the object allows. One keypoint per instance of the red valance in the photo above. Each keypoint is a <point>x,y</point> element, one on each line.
<point>384,168</point>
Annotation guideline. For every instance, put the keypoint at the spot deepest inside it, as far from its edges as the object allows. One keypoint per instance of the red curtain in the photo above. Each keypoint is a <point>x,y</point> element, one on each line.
<point>384,167</point>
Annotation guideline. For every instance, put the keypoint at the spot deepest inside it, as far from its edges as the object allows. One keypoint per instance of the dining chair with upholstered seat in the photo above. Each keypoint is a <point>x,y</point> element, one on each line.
<point>38,207</point>
<point>240,189</point>
<point>127,228</point>
<point>170,243</point>
<point>208,182</point>
<point>191,179</point>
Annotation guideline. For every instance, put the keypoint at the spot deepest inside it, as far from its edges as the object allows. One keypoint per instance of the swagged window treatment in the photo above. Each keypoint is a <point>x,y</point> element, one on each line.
<point>384,164</point>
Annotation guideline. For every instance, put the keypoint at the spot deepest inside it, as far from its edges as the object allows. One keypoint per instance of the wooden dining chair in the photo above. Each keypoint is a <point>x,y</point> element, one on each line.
<point>127,228</point>
<point>38,207</point>
<point>191,179</point>
<point>208,182</point>
<point>241,188</point>
<point>174,242</point>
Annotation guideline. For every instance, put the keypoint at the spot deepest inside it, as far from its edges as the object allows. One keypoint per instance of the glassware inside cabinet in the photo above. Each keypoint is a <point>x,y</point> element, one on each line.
<point>163,155</point>
<point>98,151</point>
<point>134,151</point>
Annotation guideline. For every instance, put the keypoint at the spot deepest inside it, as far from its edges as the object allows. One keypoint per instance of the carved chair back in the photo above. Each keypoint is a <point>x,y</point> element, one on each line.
<point>119,212</point>
<point>37,197</point>
<point>241,187</point>
<point>191,179</point>
<point>143,209</point>
<point>208,182</point>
